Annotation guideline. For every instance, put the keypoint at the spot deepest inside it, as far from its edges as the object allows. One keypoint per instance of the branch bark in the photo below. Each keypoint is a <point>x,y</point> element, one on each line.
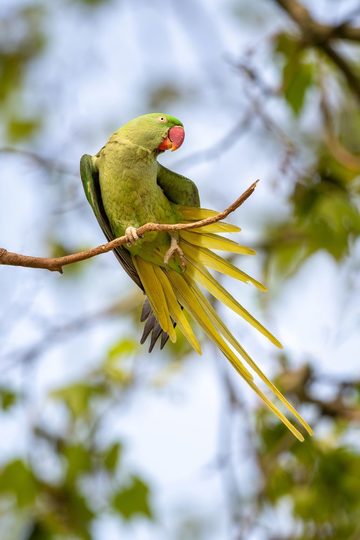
<point>56,264</point>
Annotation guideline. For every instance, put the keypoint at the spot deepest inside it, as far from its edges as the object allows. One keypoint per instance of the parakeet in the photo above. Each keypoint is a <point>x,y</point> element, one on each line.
<point>127,187</point>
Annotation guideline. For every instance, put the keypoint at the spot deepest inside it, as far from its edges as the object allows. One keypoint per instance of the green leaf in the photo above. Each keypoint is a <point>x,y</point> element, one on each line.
<point>124,347</point>
<point>71,516</point>
<point>297,74</point>
<point>286,44</point>
<point>18,480</point>
<point>78,459</point>
<point>8,398</point>
<point>297,78</point>
<point>133,500</point>
<point>111,456</point>
<point>77,397</point>
<point>20,128</point>
<point>114,370</point>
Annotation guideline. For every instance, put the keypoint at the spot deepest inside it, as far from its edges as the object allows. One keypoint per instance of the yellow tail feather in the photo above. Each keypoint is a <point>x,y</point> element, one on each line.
<point>212,241</point>
<point>202,276</point>
<point>219,227</point>
<point>175,310</point>
<point>155,294</point>
<point>230,338</point>
<point>167,288</point>
<point>194,213</point>
<point>191,301</point>
<point>214,261</point>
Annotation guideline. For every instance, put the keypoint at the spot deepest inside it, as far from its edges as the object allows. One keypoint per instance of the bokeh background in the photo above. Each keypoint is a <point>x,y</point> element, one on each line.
<point>99,439</point>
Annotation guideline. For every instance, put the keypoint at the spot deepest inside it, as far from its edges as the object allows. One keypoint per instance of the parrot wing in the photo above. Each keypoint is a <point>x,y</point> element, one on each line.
<point>177,188</point>
<point>90,180</point>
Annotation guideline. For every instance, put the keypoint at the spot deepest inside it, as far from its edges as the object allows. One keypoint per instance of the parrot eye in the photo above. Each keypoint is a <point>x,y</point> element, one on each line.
<point>163,119</point>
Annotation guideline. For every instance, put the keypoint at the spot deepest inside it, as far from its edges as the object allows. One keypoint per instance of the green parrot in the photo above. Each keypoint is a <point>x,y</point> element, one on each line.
<point>127,187</point>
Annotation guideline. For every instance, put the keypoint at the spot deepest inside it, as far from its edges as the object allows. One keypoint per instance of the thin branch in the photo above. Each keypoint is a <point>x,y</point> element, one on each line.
<point>56,263</point>
<point>45,162</point>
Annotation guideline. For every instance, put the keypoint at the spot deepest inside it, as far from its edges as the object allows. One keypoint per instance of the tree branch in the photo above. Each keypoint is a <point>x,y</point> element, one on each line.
<point>315,30</point>
<point>56,263</point>
<point>321,36</point>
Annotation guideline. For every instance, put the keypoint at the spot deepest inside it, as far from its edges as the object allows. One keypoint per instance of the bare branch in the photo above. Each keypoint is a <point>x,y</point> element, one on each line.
<point>57,263</point>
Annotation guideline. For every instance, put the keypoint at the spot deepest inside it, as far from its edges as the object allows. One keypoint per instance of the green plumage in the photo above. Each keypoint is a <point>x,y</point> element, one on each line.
<point>127,187</point>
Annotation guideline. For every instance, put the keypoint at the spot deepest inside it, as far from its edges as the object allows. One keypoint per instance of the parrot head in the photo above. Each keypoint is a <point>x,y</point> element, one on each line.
<point>155,131</point>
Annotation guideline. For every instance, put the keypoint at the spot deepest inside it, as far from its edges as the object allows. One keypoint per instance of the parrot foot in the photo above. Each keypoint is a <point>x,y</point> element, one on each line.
<point>175,249</point>
<point>131,235</point>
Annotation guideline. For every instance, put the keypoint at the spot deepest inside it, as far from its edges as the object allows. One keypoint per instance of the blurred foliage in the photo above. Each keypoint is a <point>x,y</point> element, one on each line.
<point>325,216</point>
<point>8,398</point>
<point>164,95</point>
<point>22,39</point>
<point>324,201</point>
<point>297,72</point>
<point>67,505</point>
<point>320,478</point>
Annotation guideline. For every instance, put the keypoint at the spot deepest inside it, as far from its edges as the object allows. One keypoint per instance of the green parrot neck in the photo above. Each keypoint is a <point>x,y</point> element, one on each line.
<point>140,151</point>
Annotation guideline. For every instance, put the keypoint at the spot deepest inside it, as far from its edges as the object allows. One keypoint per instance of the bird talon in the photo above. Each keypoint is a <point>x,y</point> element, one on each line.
<point>173,250</point>
<point>131,235</point>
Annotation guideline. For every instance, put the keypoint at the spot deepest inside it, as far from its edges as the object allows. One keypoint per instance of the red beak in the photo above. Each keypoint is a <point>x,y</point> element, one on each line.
<point>174,139</point>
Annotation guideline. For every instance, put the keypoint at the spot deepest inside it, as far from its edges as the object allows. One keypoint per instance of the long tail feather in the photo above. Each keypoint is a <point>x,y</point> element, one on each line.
<point>171,294</point>
<point>155,294</point>
<point>201,316</point>
<point>189,301</point>
<point>212,241</point>
<point>175,310</point>
<point>214,261</point>
<point>202,276</point>
<point>231,339</point>
<point>219,227</point>
<point>194,213</point>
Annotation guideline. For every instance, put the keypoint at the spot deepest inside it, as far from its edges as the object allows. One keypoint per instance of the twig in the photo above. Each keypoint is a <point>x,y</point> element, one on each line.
<point>47,163</point>
<point>56,263</point>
